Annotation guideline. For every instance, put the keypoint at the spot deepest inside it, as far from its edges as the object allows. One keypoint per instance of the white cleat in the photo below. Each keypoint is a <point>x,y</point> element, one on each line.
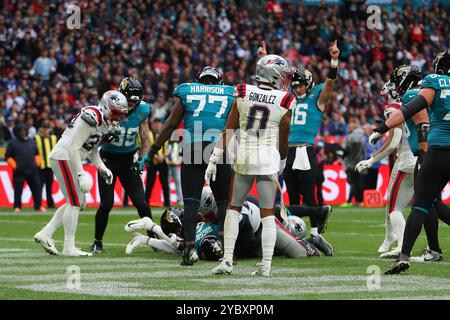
<point>75,252</point>
<point>46,242</point>
<point>225,267</point>
<point>428,256</point>
<point>393,254</point>
<point>386,245</point>
<point>263,270</point>
<point>144,223</point>
<point>138,241</point>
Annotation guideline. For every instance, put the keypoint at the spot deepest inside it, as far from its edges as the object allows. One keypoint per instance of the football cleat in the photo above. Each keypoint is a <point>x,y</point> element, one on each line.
<point>393,254</point>
<point>190,255</point>
<point>46,242</point>
<point>137,241</point>
<point>75,252</point>
<point>134,225</point>
<point>400,265</point>
<point>386,245</point>
<point>225,267</point>
<point>428,256</point>
<point>263,270</point>
<point>97,247</point>
<point>323,245</point>
<point>326,211</point>
<point>311,250</point>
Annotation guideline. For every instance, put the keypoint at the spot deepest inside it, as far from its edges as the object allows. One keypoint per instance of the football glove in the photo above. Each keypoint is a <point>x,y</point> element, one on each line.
<point>374,138</point>
<point>148,157</point>
<point>211,170</point>
<point>364,165</point>
<point>85,182</point>
<point>136,167</point>
<point>108,138</point>
<point>106,174</point>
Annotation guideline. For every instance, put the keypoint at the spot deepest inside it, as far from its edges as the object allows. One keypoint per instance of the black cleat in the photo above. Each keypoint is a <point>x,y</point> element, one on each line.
<point>190,255</point>
<point>326,212</point>
<point>97,247</point>
<point>311,250</point>
<point>402,264</point>
<point>320,243</point>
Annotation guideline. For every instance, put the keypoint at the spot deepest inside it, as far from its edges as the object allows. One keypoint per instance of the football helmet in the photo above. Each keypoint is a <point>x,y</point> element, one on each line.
<point>390,93</point>
<point>441,63</point>
<point>303,77</point>
<point>132,89</point>
<point>275,71</point>
<point>116,106</point>
<point>172,221</point>
<point>210,249</point>
<point>211,73</point>
<point>296,226</point>
<point>207,202</point>
<point>406,77</point>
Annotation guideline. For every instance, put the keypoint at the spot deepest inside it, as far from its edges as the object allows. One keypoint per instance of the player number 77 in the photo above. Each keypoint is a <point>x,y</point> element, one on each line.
<point>211,99</point>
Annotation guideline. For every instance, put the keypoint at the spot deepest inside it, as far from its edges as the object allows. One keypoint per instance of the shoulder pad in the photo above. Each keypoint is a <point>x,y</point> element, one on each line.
<point>180,89</point>
<point>390,108</point>
<point>144,108</point>
<point>92,116</point>
<point>431,81</point>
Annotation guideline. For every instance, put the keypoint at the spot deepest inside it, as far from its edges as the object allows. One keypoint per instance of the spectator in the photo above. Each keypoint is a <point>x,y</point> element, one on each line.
<point>23,157</point>
<point>355,151</point>
<point>43,66</point>
<point>45,142</point>
<point>158,165</point>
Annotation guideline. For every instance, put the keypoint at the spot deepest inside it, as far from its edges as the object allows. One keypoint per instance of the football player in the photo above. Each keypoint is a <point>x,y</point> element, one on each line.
<point>120,157</point>
<point>203,107</point>
<point>434,172</point>
<point>401,184</point>
<point>263,114</point>
<point>79,141</point>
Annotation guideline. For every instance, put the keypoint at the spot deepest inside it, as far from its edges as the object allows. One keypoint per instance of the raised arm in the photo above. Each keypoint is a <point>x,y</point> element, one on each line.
<point>325,94</point>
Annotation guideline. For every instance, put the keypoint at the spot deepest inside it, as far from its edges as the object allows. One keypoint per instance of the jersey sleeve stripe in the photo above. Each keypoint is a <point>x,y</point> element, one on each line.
<point>241,90</point>
<point>286,101</point>
<point>99,116</point>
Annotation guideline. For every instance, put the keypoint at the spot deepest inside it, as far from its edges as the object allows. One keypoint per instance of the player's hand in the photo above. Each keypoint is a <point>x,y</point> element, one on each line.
<point>364,165</point>
<point>211,172</point>
<point>108,138</point>
<point>334,51</point>
<point>136,167</point>
<point>106,174</point>
<point>374,138</point>
<point>262,50</point>
<point>85,182</point>
<point>148,157</point>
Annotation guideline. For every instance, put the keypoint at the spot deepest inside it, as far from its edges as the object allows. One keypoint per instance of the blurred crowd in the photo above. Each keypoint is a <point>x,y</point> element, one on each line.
<point>49,72</point>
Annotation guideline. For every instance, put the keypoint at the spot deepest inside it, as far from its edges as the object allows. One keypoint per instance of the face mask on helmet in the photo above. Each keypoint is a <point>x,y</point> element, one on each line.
<point>210,75</point>
<point>296,226</point>
<point>132,89</point>
<point>389,92</point>
<point>210,249</point>
<point>172,221</point>
<point>302,77</point>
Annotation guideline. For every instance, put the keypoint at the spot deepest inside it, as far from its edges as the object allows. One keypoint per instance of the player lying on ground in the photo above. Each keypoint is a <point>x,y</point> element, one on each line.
<point>80,141</point>
<point>248,245</point>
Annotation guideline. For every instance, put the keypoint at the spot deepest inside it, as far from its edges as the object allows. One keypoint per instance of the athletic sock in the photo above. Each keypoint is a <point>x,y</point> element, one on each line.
<point>268,239</point>
<point>412,230</point>
<point>431,226</point>
<point>398,225</point>
<point>70,221</point>
<point>389,229</point>
<point>231,232</point>
<point>55,222</point>
<point>314,232</point>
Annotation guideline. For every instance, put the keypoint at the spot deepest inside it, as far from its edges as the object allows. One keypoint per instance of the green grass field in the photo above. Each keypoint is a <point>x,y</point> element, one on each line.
<point>27,272</point>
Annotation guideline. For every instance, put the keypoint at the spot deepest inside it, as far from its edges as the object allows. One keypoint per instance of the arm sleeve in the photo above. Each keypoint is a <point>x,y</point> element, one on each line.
<point>94,157</point>
<point>83,131</point>
<point>397,136</point>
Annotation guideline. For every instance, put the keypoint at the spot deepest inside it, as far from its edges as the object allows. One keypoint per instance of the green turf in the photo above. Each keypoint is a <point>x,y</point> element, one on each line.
<point>27,272</point>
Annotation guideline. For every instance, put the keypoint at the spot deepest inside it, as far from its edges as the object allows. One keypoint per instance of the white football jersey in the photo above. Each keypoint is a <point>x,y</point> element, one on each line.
<point>405,158</point>
<point>253,213</point>
<point>97,126</point>
<point>260,112</point>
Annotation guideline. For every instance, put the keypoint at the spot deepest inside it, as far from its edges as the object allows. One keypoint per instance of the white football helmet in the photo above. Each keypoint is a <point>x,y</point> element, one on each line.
<point>275,71</point>
<point>296,226</point>
<point>116,105</point>
<point>207,202</point>
<point>390,93</point>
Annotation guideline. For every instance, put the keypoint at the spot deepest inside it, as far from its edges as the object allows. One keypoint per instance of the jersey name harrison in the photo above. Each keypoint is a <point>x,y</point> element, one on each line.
<point>207,89</point>
<point>258,97</point>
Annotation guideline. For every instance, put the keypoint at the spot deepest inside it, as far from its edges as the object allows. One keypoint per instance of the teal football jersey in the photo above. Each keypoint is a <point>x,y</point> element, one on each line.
<point>439,135</point>
<point>127,132</point>
<point>206,109</point>
<point>205,230</point>
<point>411,129</point>
<point>306,118</point>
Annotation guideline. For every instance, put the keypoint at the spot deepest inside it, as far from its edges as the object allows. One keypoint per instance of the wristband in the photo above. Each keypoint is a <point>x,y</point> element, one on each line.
<point>334,63</point>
